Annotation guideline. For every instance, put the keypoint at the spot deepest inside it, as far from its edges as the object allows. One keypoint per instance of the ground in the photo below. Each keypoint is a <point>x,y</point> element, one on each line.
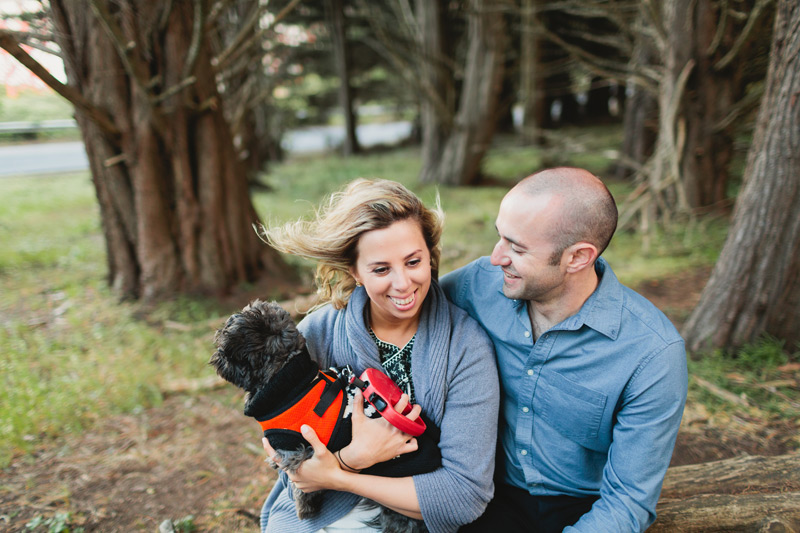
<point>196,460</point>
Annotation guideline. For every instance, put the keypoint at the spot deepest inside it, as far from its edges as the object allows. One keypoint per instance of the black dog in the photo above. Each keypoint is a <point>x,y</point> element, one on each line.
<point>261,351</point>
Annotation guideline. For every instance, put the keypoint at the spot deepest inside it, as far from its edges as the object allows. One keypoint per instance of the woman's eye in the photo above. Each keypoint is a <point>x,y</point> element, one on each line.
<point>380,270</point>
<point>414,262</point>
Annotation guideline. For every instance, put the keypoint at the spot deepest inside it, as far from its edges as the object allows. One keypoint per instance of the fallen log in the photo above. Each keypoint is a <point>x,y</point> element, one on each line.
<point>749,494</point>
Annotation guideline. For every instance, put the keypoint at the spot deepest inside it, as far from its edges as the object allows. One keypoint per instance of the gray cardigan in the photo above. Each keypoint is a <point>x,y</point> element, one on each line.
<point>455,380</point>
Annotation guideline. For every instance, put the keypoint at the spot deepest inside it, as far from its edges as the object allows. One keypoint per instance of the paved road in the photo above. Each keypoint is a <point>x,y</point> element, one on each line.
<point>42,158</point>
<point>25,159</point>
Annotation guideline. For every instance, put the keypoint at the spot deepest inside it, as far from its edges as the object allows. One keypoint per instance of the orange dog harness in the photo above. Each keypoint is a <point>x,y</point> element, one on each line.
<point>320,406</point>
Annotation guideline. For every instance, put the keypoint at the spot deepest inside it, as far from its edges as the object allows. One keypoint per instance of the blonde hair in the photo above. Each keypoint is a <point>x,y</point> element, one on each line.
<point>331,237</point>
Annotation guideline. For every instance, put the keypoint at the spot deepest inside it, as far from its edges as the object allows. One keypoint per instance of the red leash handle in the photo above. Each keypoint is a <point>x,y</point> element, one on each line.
<point>380,391</point>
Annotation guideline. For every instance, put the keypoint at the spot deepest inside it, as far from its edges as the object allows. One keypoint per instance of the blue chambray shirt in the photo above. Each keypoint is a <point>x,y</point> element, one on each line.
<point>594,405</point>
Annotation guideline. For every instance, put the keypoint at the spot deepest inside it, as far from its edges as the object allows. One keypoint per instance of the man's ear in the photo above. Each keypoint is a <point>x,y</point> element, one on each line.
<point>580,256</point>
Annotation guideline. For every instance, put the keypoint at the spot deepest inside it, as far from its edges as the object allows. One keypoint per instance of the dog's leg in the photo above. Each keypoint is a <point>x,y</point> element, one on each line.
<point>394,522</point>
<point>307,505</point>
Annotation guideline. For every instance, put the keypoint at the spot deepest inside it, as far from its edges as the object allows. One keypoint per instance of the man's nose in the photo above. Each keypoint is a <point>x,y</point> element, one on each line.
<point>499,256</point>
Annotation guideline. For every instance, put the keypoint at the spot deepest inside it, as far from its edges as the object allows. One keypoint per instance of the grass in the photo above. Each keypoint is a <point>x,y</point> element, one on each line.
<point>35,107</point>
<point>71,353</point>
<point>756,374</point>
<point>32,105</point>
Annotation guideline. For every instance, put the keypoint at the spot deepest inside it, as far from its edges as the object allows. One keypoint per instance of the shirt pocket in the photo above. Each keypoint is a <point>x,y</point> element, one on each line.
<point>572,409</point>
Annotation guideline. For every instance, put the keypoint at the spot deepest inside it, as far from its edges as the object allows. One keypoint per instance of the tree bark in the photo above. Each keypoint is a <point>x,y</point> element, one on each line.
<point>711,94</point>
<point>755,285</point>
<point>641,113</point>
<point>530,71</point>
<point>709,55</point>
<point>174,202</point>
<point>437,109</point>
<point>744,494</point>
<point>473,126</point>
<point>336,24</point>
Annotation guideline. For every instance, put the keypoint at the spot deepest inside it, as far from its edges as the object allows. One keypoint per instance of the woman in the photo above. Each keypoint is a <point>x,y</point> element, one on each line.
<point>377,248</point>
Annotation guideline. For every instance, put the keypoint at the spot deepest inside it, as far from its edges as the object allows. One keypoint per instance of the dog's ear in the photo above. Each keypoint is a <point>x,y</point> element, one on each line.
<point>222,365</point>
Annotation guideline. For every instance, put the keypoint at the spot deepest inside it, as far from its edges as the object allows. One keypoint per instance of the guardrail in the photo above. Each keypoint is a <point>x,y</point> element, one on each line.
<point>32,127</point>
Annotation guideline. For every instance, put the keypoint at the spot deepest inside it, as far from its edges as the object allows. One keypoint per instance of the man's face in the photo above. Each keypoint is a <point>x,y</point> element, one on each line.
<point>525,248</point>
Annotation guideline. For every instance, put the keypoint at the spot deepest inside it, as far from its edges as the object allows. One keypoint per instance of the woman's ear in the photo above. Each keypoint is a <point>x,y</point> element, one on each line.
<point>355,276</point>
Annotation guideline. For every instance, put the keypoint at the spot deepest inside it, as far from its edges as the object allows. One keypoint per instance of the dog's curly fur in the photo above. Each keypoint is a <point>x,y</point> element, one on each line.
<point>252,347</point>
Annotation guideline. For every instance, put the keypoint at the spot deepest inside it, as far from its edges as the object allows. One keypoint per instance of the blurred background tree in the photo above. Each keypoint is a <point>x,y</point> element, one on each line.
<point>202,92</point>
<point>755,286</point>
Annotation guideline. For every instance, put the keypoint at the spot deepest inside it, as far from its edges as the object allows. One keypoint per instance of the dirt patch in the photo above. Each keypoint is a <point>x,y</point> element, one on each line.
<point>197,455</point>
<point>191,456</point>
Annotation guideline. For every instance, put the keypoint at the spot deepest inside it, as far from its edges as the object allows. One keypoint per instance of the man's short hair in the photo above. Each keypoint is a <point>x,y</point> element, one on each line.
<point>588,212</point>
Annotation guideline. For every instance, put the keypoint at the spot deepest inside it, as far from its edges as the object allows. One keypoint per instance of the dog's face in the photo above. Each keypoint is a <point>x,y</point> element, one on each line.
<point>254,344</point>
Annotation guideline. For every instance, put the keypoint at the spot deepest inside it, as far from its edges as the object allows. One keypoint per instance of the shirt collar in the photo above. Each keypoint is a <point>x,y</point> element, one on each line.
<point>602,311</point>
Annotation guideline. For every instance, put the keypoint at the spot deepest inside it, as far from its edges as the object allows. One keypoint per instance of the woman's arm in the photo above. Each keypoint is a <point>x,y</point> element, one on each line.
<point>323,471</point>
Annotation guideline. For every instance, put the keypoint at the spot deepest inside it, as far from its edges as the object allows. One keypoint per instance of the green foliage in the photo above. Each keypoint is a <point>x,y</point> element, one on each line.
<point>185,525</point>
<point>71,353</point>
<point>756,373</point>
<point>670,250</point>
<point>35,106</point>
<point>58,523</point>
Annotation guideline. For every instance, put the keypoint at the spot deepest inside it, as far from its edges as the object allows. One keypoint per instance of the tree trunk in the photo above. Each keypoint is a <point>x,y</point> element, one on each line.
<point>708,57</point>
<point>473,127</point>
<point>664,180</point>
<point>174,202</point>
<point>710,96</point>
<point>247,93</point>
<point>437,104</point>
<point>336,25</point>
<point>531,82</point>
<point>755,285</point>
<point>744,494</point>
<point>641,113</point>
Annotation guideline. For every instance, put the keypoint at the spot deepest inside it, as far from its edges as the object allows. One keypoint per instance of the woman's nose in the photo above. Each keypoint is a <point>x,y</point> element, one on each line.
<point>401,280</point>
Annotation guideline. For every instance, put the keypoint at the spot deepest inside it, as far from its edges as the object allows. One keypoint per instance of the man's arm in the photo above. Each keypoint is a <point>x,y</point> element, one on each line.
<point>643,439</point>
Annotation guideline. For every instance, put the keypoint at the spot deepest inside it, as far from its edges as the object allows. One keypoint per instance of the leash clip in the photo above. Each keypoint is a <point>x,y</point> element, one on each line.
<point>383,393</point>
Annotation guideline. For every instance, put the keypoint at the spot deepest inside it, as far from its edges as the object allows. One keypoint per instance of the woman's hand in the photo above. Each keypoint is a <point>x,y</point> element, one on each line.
<point>321,471</point>
<point>375,440</point>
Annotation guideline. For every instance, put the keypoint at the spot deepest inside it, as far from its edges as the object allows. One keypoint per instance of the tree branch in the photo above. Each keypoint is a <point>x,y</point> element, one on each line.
<point>240,44</point>
<point>118,40</point>
<point>598,65</point>
<point>98,116</point>
<point>723,21</point>
<point>744,35</point>
<point>197,37</point>
<point>24,37</point>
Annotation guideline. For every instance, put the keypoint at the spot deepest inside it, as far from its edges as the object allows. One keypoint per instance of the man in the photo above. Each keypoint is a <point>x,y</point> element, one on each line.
<point>593,376</point>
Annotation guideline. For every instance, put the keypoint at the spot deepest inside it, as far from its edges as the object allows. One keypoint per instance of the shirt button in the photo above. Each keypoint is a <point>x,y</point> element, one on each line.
<point>530,371</point>
<point>524,452</point>
<point>527,334</point>
<point>525,409</point>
